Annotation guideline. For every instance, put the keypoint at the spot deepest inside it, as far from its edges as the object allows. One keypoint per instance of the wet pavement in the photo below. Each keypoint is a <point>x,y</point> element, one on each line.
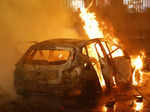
<point>125,99</point>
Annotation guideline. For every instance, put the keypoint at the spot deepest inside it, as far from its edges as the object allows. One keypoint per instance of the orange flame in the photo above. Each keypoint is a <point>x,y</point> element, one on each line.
<point>138,106</point>
<point>96,65</point>
<point>93,30</point>
<point>137,64</point>
<point>114,82</point>
<point>100,76</point>
<point>91,25</point>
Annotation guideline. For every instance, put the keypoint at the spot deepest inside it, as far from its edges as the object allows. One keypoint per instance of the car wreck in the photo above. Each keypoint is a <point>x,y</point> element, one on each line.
<point>70,67</point>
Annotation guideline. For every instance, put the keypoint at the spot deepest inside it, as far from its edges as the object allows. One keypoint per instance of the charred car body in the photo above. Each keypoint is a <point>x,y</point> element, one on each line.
<point>63,66</point>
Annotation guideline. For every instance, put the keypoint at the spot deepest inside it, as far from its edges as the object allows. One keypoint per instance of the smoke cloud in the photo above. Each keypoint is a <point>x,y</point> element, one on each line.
<point>22,21</point>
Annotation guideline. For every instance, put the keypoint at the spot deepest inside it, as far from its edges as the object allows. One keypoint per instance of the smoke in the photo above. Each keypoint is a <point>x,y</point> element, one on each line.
<point>22,21</point>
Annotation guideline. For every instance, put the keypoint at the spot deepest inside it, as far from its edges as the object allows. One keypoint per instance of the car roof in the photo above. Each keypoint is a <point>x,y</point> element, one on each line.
<point>67,43</point>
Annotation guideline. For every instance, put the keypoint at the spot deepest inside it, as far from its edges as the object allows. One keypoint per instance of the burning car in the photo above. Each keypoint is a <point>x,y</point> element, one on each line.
<point>68,66</point>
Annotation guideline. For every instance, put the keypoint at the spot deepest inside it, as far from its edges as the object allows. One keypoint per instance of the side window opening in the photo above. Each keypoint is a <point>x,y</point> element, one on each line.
<point>48,56</point>
<point>101,55</point>
<point>91,52</point>
<point>105,47</point>
<point>116,52</point>
<point>99,50</point>
<point>112,50</point>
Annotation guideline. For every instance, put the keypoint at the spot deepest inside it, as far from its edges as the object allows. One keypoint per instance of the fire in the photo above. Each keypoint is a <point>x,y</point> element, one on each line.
<point>100,76</point>
<point>95,62</point>
<point>137,64</point>
<point>114,82</point>
<point>93,30</point>
<point>91,25</point>
<point>138,106</point>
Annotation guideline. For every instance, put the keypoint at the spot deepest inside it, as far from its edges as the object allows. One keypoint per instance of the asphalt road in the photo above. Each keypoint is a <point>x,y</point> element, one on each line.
<point>124,99</point>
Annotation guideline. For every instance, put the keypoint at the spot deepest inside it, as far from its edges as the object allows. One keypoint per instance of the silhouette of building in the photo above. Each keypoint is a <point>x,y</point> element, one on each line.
<point>138,5</point>
<point>76,4</point>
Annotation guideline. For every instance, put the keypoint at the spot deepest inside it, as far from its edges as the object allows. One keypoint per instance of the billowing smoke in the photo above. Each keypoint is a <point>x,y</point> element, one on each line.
<point>22,21</point>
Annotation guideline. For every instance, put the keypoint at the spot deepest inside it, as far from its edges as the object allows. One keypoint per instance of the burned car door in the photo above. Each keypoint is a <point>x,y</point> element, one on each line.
<point>119,62</point>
